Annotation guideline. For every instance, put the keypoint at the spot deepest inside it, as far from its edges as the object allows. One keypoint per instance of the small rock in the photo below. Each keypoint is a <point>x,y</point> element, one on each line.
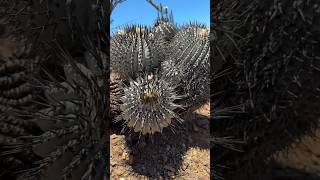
<point>113,136</point>
<point>112,163</point>
<point>185,166</point>
<point>124,156</point>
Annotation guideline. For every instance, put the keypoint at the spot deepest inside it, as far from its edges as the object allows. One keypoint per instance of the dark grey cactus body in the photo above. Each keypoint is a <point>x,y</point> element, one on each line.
<point>165,72</point>
<point>189,56</point>
<point>272,48</point>
<point>47,20</point>
<point>135,52</point>
<point>68,116</point>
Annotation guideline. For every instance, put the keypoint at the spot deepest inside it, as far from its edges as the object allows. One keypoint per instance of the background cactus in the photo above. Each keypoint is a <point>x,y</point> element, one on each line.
<point>72,115</point>
<point>17,66</point>
<point>272,48</point>
<point>69,92</point>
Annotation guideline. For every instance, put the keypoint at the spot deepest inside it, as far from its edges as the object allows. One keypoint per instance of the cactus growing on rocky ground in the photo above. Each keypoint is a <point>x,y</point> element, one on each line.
<point>273,49</point>
<point>160,74</point>
<point>70,107</point>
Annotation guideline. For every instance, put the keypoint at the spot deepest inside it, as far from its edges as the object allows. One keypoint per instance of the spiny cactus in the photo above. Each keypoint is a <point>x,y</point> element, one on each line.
<point>46,20</point>
<point>272,47</point>
<point>162,76</point>
<point>69,110</point>
<point>135,52</point>
<point>149,104</point>
<point>15,73</point>
<point>15,95</point>
<point>17,66</point>
<point>189,53</point>
<point>73,119</point>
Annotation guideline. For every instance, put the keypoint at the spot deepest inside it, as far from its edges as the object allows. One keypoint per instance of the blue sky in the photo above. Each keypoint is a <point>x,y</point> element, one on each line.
<point>141,12</point>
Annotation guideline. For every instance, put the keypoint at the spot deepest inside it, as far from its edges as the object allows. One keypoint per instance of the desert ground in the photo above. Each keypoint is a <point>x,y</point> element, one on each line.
<point>185,154</point>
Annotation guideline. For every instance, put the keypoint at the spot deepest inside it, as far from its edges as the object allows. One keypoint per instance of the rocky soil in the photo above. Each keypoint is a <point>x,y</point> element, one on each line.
<point>183,154</point>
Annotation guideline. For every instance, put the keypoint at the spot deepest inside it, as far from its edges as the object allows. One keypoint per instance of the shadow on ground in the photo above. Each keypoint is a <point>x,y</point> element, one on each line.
<point>162,155</point>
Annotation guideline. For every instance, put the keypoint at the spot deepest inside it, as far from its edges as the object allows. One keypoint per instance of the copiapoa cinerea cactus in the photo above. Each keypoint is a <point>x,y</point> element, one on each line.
<point>70,103</point>
<point>164,71</point>
<point>272,48</point>
<point>69,93</point>
<point>17,66</point>
<point>72,116</point>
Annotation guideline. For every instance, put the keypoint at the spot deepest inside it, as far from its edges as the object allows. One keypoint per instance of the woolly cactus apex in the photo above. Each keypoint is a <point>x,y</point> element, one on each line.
<point>135,52</point>
<point>149,104</point>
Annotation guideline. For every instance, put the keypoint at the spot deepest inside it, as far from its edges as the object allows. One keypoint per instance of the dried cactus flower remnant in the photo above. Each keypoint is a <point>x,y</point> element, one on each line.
<point>149,96</point>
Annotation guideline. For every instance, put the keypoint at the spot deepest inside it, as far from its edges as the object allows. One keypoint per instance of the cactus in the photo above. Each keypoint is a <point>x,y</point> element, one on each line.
<point>72,118</point>
<point>46,20</point>
<point>189,53</point>
<point>162,77</point>
<point>17,66</point>
<point>151,85</point>
<point>63,133</point>
<point>272,48</point>
<point>148,105</point>
<point>135,52</point>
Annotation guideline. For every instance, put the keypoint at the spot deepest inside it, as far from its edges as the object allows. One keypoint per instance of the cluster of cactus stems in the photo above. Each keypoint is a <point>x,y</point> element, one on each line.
<point>70,107</point>
<point>267,96</point>
<point>163,69</point>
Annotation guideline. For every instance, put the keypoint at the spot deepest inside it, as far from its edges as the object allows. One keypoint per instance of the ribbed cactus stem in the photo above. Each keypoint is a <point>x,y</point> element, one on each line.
<point>149,104</point>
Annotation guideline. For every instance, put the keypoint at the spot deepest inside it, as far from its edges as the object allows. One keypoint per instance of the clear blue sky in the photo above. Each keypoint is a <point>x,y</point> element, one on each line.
<point>141,12</point>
